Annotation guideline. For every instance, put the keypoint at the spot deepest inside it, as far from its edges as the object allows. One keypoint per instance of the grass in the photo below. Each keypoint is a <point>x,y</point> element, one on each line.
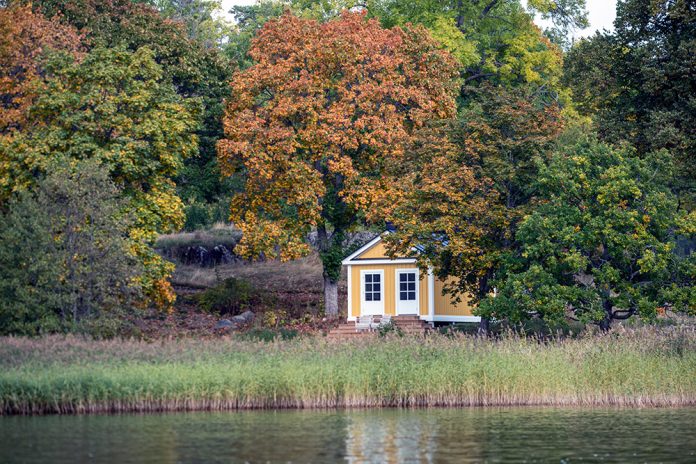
<point>641,367</point>
<point>220,234</point>
<point>301,275</point>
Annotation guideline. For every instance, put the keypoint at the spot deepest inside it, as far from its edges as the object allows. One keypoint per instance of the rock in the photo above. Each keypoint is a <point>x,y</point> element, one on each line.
<point>224,324</point>
<point>245,318</point>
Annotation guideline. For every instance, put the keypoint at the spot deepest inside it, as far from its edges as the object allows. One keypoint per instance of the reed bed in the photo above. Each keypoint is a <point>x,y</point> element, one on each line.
<point>69,375</point>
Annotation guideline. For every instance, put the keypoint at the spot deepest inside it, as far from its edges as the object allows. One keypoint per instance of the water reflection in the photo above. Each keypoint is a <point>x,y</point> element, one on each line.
<point>428,436</point>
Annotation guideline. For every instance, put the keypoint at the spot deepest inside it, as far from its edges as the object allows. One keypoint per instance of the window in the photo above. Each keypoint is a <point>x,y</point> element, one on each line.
<point>407,286</point>
<point>373,287</point>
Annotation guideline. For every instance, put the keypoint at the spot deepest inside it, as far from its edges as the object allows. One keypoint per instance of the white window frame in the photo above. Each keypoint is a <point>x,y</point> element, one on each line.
<point>415,309</point>
<point>374,308</point>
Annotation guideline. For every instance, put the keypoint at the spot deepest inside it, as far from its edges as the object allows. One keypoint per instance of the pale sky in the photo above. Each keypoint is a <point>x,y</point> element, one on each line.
<point>601,14</point>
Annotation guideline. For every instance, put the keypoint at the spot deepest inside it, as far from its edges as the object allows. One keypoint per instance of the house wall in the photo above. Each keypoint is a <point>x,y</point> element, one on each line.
<point>378,250</point>
<point>444,306</point>
<point>389,287</point>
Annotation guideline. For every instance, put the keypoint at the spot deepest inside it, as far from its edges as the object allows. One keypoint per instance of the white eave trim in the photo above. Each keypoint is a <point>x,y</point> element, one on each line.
<point>362,249</point>
<point>351,260</point>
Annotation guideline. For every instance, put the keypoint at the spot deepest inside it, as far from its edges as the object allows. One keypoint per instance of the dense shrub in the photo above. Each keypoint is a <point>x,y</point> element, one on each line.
<point>232,296</point>
<point>65,255</point>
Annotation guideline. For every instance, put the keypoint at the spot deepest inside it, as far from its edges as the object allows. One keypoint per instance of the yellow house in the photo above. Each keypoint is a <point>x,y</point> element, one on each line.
<point>379,285</point>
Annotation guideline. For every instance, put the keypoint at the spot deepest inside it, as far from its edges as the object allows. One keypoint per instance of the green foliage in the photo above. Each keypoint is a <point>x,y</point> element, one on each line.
<point>249,19</point>
<point>232,296</point>
<point>495,42</point>
<point>187,49</point>
<point>117,108</point>
<point>201,18</point>
<point>269,335</point>
<point>203,215</point>
<point>600,244</point>
<point>637,83</point>
<point>389,328</point>
<point>64,253</point>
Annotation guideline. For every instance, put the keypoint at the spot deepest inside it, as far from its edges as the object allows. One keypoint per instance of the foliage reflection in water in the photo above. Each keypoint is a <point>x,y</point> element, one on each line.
<point>425,435</point>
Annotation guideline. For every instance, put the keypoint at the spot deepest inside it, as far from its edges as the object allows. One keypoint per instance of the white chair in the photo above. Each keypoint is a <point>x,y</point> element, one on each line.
<point>364,323</point>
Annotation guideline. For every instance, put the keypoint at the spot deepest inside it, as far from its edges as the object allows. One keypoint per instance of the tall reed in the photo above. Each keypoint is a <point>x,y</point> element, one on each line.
<point>646,367</point>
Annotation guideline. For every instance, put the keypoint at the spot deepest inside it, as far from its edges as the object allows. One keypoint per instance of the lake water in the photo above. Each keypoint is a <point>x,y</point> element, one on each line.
<point>425,435</point>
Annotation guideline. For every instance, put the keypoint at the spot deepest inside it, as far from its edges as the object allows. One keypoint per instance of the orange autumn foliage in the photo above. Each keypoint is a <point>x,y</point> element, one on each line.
<point>25,37</point>
<point>314,122</point>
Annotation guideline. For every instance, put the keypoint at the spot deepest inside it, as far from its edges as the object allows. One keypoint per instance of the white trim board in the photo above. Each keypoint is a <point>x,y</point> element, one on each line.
<point>451,318</point>
<point>352,258</point>
<point>367,262</point>
<point>350,290</point>
<point>363,249</point>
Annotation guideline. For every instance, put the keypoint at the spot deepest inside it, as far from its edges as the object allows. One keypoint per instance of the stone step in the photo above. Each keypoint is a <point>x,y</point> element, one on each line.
<point>409,325</point>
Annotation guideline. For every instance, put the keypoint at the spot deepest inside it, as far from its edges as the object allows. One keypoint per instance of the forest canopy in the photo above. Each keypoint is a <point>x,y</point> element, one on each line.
<point>545,177</point>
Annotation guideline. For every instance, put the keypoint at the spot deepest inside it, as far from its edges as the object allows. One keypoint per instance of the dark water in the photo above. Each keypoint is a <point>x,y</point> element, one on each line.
<point>435,435</point>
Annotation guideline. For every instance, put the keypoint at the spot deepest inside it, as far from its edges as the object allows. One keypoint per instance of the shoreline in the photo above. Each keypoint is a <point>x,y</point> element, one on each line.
<point>106,410</point>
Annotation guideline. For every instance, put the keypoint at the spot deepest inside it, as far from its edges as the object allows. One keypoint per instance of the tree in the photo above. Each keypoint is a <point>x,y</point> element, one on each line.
<point>464,190</point>
<point>313,122</point>
<point>194,66</point>
<point>495,42</point>
<point>64,252</point>
<point>24,39</point>
<point>639,85</point>
<point>600,245</point>
<point>201,18</point>
<point>114,107</point>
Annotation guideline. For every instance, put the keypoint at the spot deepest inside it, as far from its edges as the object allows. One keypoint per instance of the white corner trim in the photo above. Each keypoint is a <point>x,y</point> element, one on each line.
<point>350,290</point>
<point>363,249</point>
<point>431,293</point>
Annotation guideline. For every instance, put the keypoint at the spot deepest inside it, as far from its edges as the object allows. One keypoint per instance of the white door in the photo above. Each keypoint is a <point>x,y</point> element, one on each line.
<point>407,291</point>
<point>372,293</point>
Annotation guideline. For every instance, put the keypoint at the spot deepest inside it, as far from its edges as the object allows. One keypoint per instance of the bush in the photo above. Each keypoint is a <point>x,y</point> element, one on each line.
<point>389,327</point>
<point>65,256</point>
<point>232,296</point>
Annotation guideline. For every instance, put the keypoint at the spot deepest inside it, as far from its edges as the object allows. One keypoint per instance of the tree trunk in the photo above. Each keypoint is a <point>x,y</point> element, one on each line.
<point>483,326</point>
<point>605,323</point>
<point>330,283</point>
<point>330,297</point>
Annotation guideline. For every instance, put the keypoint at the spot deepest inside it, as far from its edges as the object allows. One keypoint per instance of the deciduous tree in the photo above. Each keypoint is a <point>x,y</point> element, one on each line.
<point>313,122</point>
<point>25,37</point>
<point>638,82</point>
<point>115,107</point>
<point>464,189</point>
<point>188,60</point>
<point>601,244</point>
<point>64,252</point>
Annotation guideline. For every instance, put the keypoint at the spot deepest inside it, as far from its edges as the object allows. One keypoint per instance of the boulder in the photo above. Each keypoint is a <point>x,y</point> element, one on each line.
<point>224,324</point>
<point>245,318</point>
